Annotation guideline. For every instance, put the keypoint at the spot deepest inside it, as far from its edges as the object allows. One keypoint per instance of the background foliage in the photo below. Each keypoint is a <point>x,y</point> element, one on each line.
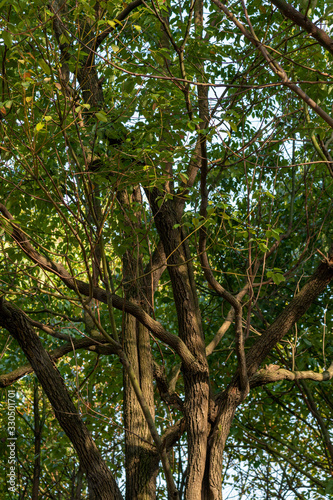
<point>268,219</point>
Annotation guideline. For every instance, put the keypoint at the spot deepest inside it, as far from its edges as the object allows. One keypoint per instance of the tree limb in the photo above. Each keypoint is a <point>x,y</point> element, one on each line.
<point>291,314</point>
<point>121,17</point>
<point>275,66</point>
<point>303,22</point>
<point>100,479</point>
<point>273,373</point>
<point>100,346</point>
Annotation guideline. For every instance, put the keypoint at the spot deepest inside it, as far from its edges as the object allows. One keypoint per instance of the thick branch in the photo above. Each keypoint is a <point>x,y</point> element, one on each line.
<point>291,314</point>
<point>100,479</point>
<point>273,373</point>
<point>165,388</point>
<point>173,434</point>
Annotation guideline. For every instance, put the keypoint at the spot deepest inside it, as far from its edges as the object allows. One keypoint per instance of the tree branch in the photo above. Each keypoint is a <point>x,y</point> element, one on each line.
<point>273,373</point>
<point>275,66</point>
<point>100,479</point>
<point>291,314</point>
<point>121,17</point>
<point>219,289</point>
<point>165,388</point>
<point>100,346</point>
<point>294,15</point>
<point>310,403</point>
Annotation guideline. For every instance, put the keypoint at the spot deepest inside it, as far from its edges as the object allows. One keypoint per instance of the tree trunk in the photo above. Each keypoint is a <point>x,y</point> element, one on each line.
<point>101,483</point>
<point>141,460</point>
<point>196,379</point>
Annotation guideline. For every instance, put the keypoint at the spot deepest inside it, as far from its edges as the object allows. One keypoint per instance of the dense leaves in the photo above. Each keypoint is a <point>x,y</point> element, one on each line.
<point>135,139</point>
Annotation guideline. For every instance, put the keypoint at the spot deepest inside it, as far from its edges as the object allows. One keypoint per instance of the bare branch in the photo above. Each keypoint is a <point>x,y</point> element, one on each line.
<point>273,373</point>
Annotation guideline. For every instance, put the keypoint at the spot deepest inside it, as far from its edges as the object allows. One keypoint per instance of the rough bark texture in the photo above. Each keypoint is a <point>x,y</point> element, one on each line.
<point>226,403</point>
<point>102,485</point>
<point>196,377</point>
<point>141,461</point>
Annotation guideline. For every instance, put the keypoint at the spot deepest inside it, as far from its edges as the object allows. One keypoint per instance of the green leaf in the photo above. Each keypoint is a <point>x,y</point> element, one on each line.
<point>64,39</point>
<point>39,126</point>
<point>329,486</point>
<point>184,178</point>
<point>277,277</point>
<point>7,38</point>
<point>191,125</point>
<point>45,67</point>
<point>101,116</point>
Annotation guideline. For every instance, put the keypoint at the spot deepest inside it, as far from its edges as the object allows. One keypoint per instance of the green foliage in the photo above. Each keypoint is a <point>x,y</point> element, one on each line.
<point>66,154</point>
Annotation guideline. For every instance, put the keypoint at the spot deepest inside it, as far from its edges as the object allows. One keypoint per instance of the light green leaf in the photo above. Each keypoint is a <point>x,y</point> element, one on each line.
<point>184,178</point>
<point>45,67</point>
<point>101,116</point>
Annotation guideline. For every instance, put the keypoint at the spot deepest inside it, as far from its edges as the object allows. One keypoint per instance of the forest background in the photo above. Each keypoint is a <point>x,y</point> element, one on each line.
<point>166,251</point>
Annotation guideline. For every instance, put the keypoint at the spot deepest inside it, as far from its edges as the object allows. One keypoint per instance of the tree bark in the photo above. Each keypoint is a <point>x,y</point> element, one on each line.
<point>102,485</point>
<point>227,402</point>
<point>196,376</point>
<point>141,461</point>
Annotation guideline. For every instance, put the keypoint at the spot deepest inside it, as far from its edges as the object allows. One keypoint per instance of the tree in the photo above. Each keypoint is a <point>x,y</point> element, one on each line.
<point>166,183</point>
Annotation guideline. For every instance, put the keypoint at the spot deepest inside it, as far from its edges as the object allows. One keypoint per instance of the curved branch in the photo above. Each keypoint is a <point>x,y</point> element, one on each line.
<point>166,389</point>
<point>273,373</point>
<point>291,314</point>
<point>100,479</point>
<point>222,292</point>
<point>91,345</point>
